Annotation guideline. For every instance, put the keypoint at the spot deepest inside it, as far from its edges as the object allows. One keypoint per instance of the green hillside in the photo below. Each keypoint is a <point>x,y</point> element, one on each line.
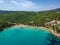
<point>24,17</point>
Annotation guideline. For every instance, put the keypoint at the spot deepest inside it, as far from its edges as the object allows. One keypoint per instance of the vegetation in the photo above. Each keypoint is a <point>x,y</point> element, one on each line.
<point>38,18</point>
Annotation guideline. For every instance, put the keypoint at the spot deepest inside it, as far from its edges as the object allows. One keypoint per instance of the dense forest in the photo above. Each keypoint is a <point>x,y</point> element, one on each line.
<point>25,17</point>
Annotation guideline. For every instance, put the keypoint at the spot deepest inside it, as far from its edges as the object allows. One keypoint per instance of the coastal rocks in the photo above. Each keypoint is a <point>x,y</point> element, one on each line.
<point>1,29</point>
<point>4,25</point>
<point>58,35</point>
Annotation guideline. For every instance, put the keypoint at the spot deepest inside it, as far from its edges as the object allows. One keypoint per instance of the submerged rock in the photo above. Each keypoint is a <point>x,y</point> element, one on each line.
<point>53,39</point>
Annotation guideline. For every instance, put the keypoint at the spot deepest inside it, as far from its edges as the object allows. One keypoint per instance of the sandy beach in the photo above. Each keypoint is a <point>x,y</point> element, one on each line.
<point>50,30</point>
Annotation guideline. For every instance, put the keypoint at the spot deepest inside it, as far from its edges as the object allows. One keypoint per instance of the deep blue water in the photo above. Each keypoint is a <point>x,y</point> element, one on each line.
<point>27,36</point>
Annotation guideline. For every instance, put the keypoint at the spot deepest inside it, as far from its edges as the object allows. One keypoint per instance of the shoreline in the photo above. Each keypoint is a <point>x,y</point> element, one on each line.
<point>40,27</point>
<point>50,30</point>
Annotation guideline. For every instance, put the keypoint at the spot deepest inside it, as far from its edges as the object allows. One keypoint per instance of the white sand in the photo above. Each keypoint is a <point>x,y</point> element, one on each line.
<point>50,30</point>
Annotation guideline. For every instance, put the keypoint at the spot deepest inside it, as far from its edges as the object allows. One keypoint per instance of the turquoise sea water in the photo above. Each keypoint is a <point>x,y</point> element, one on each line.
<point>27,36</point>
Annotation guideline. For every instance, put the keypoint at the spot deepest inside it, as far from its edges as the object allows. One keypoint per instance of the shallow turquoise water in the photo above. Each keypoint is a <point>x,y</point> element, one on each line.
<point>26,36</point>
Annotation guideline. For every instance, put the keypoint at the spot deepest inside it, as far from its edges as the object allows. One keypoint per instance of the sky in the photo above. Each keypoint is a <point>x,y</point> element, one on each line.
<point>29,5</point>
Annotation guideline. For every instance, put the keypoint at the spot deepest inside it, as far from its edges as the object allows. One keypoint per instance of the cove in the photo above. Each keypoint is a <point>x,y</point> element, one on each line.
<point>27,36</point>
